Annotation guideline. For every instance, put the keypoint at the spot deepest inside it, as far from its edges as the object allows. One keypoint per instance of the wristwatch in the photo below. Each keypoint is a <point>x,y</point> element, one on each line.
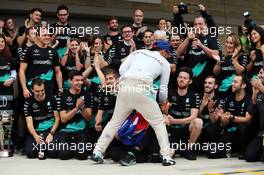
<point>52,132</point>
<point>60,89</point>
<point>211,111</point>
<point>232,118</point>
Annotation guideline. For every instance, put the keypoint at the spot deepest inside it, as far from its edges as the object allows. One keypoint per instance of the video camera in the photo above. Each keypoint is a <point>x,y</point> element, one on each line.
<point>248,22</point>
<point>184,8</point>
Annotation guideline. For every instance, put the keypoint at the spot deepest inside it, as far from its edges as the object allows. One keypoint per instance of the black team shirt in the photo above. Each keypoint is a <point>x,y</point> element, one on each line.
<point>68,102</point>
<point>199,62</point>
<point>41,112</point>
<point>41,63</point>
<point>182,105</point>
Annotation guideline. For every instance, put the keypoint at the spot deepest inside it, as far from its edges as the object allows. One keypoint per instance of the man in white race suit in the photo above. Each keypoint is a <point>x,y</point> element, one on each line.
<point>135,92</point>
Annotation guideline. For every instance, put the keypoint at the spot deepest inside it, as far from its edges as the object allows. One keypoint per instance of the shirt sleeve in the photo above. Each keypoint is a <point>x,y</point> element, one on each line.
<point>101,103</point>
<point>61,102</point>
<point>56,58</point>
<point>214,43</point>
<point>94,87</point>
<point>173,59</point>
<point>13,67</point>
<point>27,56</point>
<point>250,108</point>
<point>195,101</point>
<point>27,109</point>
<point>224,104</point>
<point>110,55</point>
<point>88,99</point>
<point>21,30</point>
<point>164,80</point>
<point>54,104</point>
<point>20,53</point>
<point>243,60</point>
<point>125,65</point>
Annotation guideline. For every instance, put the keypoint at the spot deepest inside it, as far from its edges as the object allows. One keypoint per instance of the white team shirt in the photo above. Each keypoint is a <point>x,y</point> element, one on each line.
<point>145,64</point>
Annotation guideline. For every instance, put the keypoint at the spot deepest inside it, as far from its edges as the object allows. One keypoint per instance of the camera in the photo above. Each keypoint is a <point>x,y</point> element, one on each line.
<point>248,22</point>
<point>246,14</point>
<point>183,8</point>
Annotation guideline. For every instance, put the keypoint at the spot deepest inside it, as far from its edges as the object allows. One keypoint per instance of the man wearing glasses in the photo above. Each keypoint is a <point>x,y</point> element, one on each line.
<point>61,29</point>
<point>117,53</point>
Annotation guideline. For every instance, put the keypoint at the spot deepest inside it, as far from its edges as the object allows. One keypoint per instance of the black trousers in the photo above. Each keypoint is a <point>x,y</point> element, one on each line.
<point>210,132</point>
<point>237,140</point>
<point>74,145</point>
<point>148,146</point>
<point>255,150</point>
<point>179,139</point>
<point>32,148</point>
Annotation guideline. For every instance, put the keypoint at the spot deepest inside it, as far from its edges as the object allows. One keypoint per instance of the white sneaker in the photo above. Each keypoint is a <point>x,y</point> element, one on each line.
<point>167,161</point>
<point>97,157</point>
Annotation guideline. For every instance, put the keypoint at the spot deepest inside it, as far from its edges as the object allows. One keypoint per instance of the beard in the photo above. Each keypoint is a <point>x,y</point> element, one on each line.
<point>114,29</point>
<point>207,90</point>
<point>182,86</point>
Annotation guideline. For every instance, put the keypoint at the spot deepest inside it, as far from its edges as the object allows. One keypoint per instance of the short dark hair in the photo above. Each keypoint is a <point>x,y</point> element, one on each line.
<point>28,30</point>
<point>200,16</point>
<point>211,76</point>
<point>244,78</point>
<point>74,73</point>
<point>160,20</point>
<point>8,18</point>
<point>37,81</point>
<point>109,70</point>
<point>38,30</point>
<point>171,36</point>
<point>36,9</point>
<point>148,30</point>
<point>62,7</point>
<point>111,18</point>
<point>187,70</point>
<point>125,27</point>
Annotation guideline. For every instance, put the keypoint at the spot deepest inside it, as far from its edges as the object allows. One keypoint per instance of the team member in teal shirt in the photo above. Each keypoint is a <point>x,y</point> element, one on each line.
<point>42,119</point>
<point>75,111</point>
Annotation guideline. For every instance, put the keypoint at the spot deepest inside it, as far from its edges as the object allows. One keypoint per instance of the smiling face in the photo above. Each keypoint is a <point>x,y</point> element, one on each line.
<point>2,43</point>
<point>10,24</point>
<point>127,33</point>
<point>229,45</point>
<point>31,36</point>
<point>261,75</point>
<point>98,44</point>
<point>36,16</point>
<point>199,25</point>
<point>255,36</point>
<point>162,24</point>
<point>44,36</point>
<point>77,82</point>
<point>210,85</point>
<point>237,84</point>
<point>39,92</point>
<point>74,46</point>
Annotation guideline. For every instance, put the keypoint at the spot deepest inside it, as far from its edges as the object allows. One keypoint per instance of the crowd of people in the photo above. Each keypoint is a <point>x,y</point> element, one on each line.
<point>65,88</point>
